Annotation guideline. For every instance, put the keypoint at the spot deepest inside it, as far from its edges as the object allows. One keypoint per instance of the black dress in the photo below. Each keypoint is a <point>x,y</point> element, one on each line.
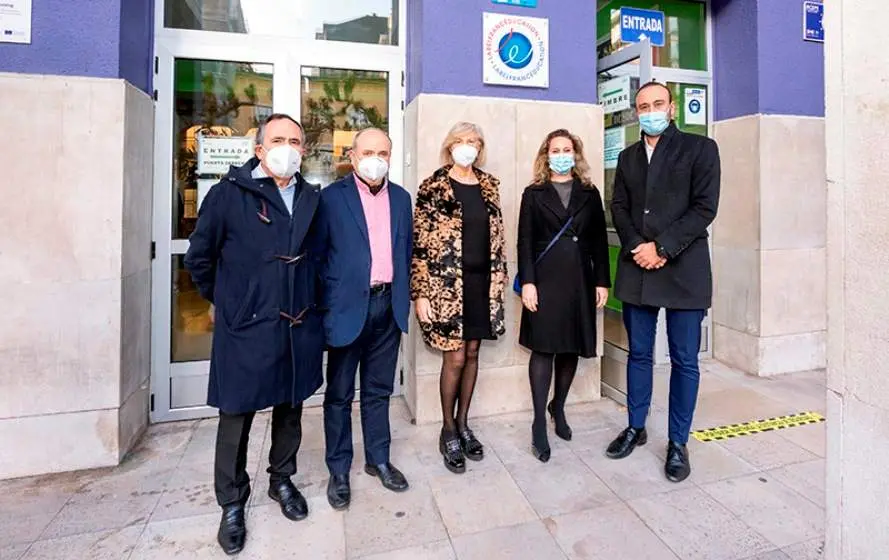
<point>476,262</point>
<point>567,276</point>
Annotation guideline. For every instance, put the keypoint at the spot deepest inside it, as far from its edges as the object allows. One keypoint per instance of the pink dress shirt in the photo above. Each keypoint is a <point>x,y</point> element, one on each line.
<point>379,230</point>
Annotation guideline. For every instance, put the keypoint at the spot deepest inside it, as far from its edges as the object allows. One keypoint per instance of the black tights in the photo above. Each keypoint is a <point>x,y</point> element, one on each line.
<point>459,370</point>
<point>541,374</point>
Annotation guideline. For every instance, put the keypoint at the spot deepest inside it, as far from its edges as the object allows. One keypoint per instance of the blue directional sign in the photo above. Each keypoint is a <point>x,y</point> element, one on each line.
<point>813,21</point>
<point>636,25</point>
<point>523,3</point>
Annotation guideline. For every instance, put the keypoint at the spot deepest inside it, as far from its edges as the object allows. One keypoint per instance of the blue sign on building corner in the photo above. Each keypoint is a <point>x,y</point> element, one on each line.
<point>813,21</point>
<point>637,24</point>
<point>522,3</point>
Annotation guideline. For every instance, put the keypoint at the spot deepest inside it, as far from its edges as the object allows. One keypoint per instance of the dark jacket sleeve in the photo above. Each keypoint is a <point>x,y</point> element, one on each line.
<point>526,240</point>
<point>703,202</point>
<point>620,210</point>
<point>599,243</point>
<point>205,243</point>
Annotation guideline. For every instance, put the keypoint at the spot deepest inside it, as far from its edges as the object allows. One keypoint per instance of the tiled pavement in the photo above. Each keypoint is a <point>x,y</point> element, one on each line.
<point>758,497</point>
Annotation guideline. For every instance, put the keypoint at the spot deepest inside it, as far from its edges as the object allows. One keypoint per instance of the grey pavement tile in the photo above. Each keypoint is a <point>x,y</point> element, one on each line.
<point>563,485</point>
<point>811,437</point>
<point>810,550</point>
<point>116,544</point>
<point>809,479</point>
<point>479,501</point>
<point>697,527</point>
<point>440,550</point>
<point>775,511</point>
<point>189,493</point>
<point>93,517</point>
<point>767,450</point>
<point>26,510</point>
<point>607,533</point>
<point>529,541</point>
<point>379,521</point>
<point>14,551</point>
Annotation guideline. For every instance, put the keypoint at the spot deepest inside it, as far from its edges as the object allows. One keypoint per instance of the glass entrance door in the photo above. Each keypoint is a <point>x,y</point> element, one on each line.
<point>212,94</point>
<point>619,76</point>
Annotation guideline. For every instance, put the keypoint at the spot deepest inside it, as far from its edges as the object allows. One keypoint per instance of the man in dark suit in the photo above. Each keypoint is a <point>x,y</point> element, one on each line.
<point>666,192</point>
<point>254,256</point>
<point>367,227</point>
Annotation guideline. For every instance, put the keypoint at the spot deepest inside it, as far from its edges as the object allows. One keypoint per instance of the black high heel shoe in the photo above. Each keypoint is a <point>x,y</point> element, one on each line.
<point>452,454</point>
<point>540,444</point>
<point>563,430</point>
<point>472,448</point>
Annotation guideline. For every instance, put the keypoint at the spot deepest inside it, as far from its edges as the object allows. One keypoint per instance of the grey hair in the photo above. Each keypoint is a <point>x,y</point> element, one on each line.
<point>363,130</point>
<point>260,134</point>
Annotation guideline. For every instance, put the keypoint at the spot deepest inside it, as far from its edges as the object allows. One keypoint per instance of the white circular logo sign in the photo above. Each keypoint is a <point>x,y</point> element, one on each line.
<point>516,51</point>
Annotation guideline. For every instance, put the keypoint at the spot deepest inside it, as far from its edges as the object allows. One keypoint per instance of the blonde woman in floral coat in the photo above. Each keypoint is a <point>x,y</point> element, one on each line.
<point>458,277</point>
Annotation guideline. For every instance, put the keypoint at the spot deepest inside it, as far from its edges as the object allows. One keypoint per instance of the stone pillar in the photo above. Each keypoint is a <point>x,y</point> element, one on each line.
<point>448,88</point>
<point>769,236</point>
<point>857,97</point>
<point>75,263</point>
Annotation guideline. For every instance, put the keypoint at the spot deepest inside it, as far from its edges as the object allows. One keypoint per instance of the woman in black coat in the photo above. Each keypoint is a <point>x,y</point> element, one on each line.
<point>561,287</point>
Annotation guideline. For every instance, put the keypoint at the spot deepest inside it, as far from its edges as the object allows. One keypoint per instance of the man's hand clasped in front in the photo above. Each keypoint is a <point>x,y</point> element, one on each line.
<point>646,256</point>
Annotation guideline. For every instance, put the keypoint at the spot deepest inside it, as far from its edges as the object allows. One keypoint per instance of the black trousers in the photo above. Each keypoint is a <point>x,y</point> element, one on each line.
<point>231,481</point>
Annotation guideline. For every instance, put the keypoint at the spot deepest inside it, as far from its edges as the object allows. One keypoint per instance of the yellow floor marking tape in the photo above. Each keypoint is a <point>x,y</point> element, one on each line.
<point>758,426</point>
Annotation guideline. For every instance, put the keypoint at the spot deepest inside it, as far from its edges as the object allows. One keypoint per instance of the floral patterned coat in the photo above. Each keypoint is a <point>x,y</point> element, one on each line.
<point>436,267</point>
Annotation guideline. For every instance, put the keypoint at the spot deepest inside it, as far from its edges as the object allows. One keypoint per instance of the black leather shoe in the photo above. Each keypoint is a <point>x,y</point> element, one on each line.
<point>677,467</point>
<point>293,504</point>
<point>391,477</point>
<point>449,445</point>
<point>232,529</point>
<point>563,430</point>
<point>339,493</point>
<point>626,442</point>
<point>472,448</point>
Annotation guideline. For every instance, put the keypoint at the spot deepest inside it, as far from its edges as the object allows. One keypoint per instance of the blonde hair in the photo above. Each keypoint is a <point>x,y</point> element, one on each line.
<point>581,169</point>
<point>457,131</point>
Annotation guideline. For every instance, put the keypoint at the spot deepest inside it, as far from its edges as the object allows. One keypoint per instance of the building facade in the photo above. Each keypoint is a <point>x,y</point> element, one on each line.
<point>126,112</point>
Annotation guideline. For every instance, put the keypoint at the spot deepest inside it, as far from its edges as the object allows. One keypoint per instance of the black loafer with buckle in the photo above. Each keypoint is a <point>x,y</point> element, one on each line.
<point>472,448</point>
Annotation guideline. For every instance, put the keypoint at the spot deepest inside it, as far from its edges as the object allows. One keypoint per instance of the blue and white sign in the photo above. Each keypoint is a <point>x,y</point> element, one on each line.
<point>813,21</point>
<point>695,106</point>
<point>515,51</point>
<point>637,24</point>
<point>522,3</point>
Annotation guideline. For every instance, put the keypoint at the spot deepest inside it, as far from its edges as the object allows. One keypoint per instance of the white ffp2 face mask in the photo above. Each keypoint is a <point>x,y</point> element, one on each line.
<point>283,161</point>
<point>373,168</point>
<point>464,155</point>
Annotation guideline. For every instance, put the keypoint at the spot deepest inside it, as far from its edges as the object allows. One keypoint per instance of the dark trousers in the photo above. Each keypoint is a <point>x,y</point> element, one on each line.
<point>684,340</point>
<point>375,351</point>
<point>231,480</point>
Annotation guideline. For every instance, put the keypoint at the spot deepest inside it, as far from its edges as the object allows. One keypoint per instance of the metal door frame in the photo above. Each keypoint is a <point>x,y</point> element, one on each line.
<point>288,56</point>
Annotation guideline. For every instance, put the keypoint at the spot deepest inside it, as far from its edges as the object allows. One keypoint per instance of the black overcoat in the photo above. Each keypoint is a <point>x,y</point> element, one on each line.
<point>567,276</point>
<point>671,201</point>
<point>260,268</point>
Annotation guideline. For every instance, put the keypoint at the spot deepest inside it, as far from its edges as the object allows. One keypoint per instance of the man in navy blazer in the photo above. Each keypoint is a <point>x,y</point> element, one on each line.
<point>366,223</point>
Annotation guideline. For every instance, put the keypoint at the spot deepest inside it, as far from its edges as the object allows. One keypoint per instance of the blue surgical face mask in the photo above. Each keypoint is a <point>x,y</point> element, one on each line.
<point>654,123</point>
<point>561,163</point>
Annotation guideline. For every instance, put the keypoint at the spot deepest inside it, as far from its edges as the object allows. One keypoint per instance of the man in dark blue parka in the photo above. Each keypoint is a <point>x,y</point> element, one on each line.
<point>254,254</point>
